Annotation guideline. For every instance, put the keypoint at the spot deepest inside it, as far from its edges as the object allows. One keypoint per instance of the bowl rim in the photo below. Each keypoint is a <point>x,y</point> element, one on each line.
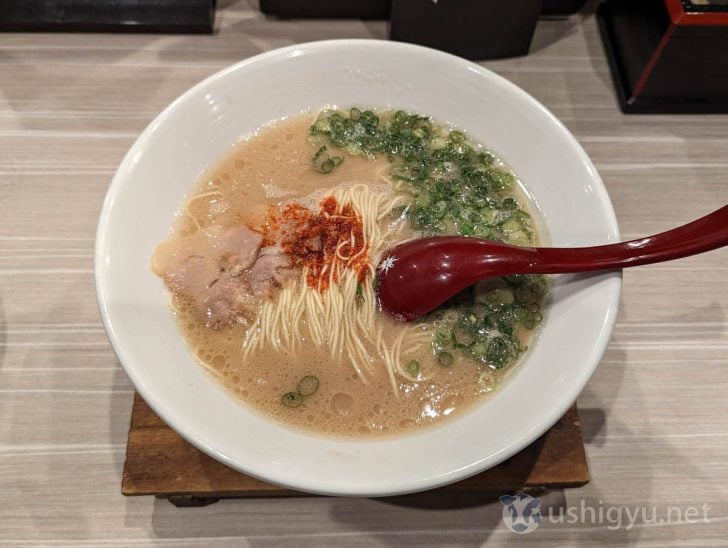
<point>614,278</point>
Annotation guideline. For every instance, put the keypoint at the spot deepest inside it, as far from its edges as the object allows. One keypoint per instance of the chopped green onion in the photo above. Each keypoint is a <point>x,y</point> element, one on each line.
<point>292,399</point>
<point>445,358</point>
<point>509,203</point>
<point>471,215</point>
<point>497,352</point>
<point>323,163</point>
<point>440,208</point>
<point>479,349</point>
<point>308,385</point>
<point>412,368</point>
<point>521,312</point>
<point>452,186</point>
<point>501,296</point>
<point>359,294</point>
<point>463,336</point>
<point>466,229</point>
<point>479,309</point>
<point>456,136</point>
<point>443,334</point>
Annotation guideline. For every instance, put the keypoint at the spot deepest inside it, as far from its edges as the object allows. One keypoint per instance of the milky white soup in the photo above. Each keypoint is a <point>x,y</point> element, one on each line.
<point>273,261</point>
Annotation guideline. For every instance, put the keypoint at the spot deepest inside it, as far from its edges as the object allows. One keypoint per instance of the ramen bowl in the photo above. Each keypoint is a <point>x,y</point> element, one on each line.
<point>202,125</point>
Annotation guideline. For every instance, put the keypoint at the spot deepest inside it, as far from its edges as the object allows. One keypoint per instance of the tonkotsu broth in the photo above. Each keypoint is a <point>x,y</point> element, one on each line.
<point>273,166</point>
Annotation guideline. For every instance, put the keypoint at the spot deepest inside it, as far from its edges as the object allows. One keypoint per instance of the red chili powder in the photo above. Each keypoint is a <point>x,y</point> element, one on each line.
<point>312,240</point>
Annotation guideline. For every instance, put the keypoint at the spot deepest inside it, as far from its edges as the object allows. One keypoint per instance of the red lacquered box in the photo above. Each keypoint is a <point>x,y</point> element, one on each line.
<point>667,56</point>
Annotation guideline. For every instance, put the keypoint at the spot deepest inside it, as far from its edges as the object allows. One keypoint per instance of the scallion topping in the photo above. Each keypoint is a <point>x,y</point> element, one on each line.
<point>308,385</point>
<point>292,399</point>
<point>412,368</point>
<point>323,163</point>
<point>445,358</point>
<point>453,186</point>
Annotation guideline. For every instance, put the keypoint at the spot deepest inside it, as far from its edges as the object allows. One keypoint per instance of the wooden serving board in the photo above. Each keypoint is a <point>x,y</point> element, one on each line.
<point>159,462</point>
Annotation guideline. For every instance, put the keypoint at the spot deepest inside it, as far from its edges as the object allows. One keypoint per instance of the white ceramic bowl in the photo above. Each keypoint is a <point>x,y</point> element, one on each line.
<point>199,128</point>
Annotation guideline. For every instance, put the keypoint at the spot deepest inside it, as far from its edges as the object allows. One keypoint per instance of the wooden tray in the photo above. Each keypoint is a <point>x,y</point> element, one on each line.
<point>159,462</point>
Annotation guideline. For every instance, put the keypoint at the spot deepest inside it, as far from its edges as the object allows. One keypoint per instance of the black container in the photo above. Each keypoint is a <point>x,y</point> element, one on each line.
<point>667,56</point>
<point>562,7</point>
<point>470,28</point>
<point>184,16</point>
<point>320,9</point>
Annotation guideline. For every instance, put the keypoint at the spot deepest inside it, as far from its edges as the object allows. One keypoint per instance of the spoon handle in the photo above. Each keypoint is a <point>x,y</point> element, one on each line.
<point>704,234</point>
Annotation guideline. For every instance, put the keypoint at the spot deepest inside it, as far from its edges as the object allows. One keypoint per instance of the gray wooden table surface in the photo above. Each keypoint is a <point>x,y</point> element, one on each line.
<point>654,414</point>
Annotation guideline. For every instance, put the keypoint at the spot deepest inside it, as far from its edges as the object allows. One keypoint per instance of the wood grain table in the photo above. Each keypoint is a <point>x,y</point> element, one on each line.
<point>654,415</point>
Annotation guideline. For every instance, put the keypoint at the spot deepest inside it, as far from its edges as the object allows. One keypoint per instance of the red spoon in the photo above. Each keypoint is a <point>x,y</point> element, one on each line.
<point>417,276</point>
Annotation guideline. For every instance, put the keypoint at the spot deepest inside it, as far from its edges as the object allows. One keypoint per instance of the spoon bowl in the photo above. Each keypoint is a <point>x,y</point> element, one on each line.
<point>419,275</point>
